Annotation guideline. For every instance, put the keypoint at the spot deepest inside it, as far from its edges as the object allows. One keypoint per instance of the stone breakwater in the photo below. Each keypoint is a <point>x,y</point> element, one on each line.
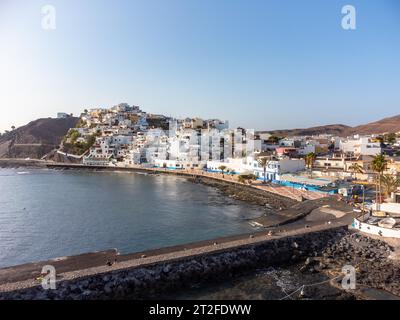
<point>148,281</point>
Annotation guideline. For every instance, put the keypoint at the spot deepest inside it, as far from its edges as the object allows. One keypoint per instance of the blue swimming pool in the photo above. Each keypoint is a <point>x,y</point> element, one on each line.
<point>305,187</point>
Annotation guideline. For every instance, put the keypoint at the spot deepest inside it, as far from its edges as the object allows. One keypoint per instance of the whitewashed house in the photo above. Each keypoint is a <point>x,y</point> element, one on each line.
<point>360,145</point>
<point>274,170</point>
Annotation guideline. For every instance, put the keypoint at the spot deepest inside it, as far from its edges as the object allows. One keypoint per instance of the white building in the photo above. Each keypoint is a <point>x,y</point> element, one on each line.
<point>97,161</point>
<point>360,146</point>
<point>306,149</point>
<point>178,164</point>
<point>274,170</point>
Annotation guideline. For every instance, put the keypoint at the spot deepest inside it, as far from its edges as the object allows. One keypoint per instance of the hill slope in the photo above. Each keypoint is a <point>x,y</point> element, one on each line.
<point>391,124</point>
<point>36,138</point>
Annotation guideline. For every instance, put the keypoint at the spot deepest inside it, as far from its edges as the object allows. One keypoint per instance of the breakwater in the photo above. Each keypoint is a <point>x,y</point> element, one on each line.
<point>143,278</point>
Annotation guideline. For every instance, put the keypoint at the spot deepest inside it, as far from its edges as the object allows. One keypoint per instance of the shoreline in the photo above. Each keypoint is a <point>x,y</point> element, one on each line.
<point>279,209</point>
<point>270,202</point>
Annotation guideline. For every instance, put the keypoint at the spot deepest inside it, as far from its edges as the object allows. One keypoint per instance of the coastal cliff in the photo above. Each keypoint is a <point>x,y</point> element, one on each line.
<point>35,139</point>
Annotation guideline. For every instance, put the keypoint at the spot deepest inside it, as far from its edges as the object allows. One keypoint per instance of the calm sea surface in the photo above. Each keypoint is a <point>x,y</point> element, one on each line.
<point>46,214</point>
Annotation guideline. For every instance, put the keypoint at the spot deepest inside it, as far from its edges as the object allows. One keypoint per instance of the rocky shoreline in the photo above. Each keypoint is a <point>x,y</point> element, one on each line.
<point>269,201</point>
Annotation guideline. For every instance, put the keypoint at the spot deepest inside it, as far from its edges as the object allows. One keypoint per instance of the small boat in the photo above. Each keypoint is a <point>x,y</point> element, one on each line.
<point>387,223</point>
<point>255,224</point>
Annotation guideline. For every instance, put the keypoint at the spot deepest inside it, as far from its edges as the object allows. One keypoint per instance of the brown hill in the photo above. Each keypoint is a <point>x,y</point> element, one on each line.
<point>387,125</point>
<point>36,138</point>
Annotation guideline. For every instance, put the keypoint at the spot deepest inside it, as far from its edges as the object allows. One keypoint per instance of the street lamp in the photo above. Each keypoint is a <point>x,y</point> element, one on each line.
<point>363,202</point>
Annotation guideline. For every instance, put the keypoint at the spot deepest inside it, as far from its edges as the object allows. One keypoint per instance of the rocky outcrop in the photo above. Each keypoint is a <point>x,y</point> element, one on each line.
<point>247,193</point>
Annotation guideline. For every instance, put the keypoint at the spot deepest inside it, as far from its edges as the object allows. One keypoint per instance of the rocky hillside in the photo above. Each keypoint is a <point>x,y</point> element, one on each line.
<point>35,139</point>
<point>387,125</point>
<point>391,124</point>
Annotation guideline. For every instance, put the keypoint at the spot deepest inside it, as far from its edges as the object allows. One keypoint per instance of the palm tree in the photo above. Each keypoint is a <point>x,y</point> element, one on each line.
<point>264,163</point>
<point>356,168</point>
<point>390,183</point>
<point>378,165</point>
<point>222,168</point>
<point>310,158</point>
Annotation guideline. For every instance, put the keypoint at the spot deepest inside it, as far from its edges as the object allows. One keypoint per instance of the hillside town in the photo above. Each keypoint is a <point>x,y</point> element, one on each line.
<point>362,169</point>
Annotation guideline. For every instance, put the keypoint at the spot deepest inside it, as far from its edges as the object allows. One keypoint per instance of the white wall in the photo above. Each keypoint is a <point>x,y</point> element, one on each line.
<point>360,146</point>
<point>306,149</point>
<point>376,230</point>
<point>291,165</point>
<point>388,207</point>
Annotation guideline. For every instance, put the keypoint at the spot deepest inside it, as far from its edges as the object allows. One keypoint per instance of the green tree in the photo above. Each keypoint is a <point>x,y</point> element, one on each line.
<point>379,139</point>
<point>222,168</point>
<point>74,135</point>
<point>390,138</point>
<point>390,183</point>
<point>273,139</point>
<point>378,165</point>
<point>310,159</point>
<point>356,168</point>
<point>264,163</point>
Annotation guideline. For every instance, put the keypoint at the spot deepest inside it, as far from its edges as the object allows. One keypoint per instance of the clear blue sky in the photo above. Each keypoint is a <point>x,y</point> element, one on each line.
<point>259,64</point>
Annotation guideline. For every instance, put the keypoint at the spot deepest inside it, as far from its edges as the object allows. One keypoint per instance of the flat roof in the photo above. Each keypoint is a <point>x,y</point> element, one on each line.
<point>320,182</point>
